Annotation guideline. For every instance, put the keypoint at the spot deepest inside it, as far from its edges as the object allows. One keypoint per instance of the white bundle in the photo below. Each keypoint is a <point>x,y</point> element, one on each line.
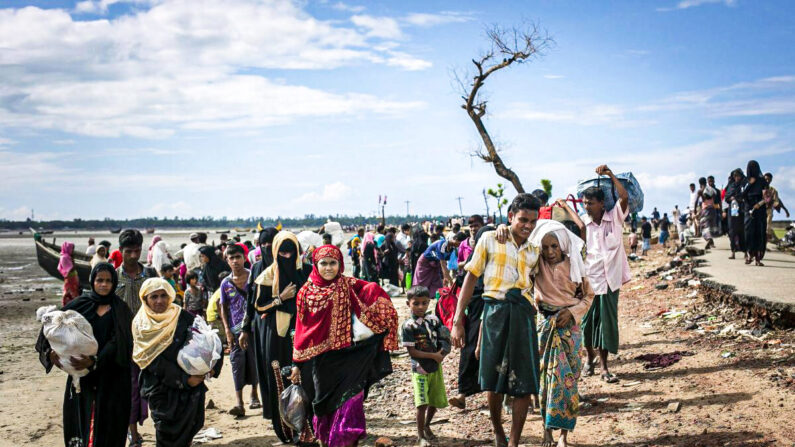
<point>202,351</point>
<point>391,290</point>
<point>309,238</point>
<point>70,335</point>
<point>335,230</point>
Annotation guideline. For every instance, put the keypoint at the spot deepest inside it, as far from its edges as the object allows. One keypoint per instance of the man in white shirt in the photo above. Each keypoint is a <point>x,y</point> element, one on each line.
<point>191,253</point>
<point>92,248</point>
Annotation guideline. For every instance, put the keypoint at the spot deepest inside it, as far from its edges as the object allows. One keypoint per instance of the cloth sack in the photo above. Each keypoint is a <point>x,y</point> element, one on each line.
<point>628,181</point>
<point>69,335</point>
<point>202,350</point>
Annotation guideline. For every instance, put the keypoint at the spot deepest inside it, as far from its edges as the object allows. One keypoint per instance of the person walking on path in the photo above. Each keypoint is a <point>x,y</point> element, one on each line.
<point>509,345</point>
<point>607,270</point>
<point>756,214</point>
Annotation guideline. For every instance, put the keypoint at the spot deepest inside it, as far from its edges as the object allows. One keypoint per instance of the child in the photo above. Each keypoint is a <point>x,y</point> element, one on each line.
<point>326,239</point>
<point>194,298</point>
<point>232,309</point>
<point>633,242</point>
<point>167,272</point>
<point>645,232</point>
<point>428,342</point>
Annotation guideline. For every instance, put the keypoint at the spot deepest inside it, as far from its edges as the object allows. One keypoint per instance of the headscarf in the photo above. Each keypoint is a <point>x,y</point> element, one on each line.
<point>119,311</point>
<point>152,332</point>
<point>266,236</point>
<point>753,170</point>
<point>570,244</point>
<point>160,255</point>
<point>325,309</point>
<point>150,254</point>
<point>214,267</point>
<point>66,264</point>
<point>281,273</point>
<point>116,258</point>
<point>734,189</point>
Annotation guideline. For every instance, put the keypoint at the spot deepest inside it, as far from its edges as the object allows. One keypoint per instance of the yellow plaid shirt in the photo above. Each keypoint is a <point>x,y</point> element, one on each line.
<point>505,266</point>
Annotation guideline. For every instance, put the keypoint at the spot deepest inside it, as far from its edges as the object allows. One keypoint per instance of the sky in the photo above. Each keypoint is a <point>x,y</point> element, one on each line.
<point>137,108</point>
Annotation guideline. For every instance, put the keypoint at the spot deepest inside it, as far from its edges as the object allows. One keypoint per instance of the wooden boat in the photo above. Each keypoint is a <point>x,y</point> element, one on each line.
<point>115,230</point>
<point>150,230</point>
<point>48,254</point>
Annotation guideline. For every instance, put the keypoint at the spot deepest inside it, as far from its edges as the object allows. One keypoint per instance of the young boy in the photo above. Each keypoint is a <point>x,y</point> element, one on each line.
<point>167,272</point>
<point>607,268</point>
<point>232,305</point>
<point>509,362</point>
<point>428,342</point>
<point>633,242</point>
<point>645,233</point>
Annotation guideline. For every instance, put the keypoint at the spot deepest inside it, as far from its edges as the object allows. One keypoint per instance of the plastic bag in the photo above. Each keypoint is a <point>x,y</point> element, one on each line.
<point>627,180</point>
<point>391,290</point>
<point>309,239</point>
<point>292,407</point>
<point>202,351</point>
<point>335,230</point>
<point>70,335</point>
<point>360,331</point>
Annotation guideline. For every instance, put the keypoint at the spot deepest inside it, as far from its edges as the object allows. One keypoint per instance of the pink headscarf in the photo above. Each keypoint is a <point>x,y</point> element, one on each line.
<point>151,250</point>
<point>65,264</point>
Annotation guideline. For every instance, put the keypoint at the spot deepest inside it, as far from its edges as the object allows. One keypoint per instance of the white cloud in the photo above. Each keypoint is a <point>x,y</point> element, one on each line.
<point>340,6</point>
<point>687,4</point>
<point>383,27</point>
<point>177,65</point>
<point>553,76</point>
<point>331,193</point>
<point>424,19</point>
<point>581,114</point>
<point>20,213</point>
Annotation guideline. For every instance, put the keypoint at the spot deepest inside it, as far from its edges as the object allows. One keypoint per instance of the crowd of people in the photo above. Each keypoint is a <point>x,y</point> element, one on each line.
<point>742,210</point>
<point>528,297</point>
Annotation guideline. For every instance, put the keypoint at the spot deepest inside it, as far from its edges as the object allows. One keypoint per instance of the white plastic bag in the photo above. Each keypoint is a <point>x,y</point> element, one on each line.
<point>70,335</point>
<point>202,351</point>
<point>292,407</point>
<point>360,331</point>
<point>391,290</point>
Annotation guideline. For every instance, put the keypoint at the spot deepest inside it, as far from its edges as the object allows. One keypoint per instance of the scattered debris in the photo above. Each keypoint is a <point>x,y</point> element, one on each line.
<point>662,360</point>
<point>674,407</point>
<point>726,354</point>
<point>384,442</point>
<point>661,286</point>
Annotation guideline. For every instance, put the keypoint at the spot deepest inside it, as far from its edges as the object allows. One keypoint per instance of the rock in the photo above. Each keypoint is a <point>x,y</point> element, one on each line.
<point>674,407</point>
<point>661,286</point>
<point>384,442</point>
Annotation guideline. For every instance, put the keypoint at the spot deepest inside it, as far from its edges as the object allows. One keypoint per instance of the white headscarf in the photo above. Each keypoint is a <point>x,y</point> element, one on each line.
<point>570,244</point>
<point>160,255</point>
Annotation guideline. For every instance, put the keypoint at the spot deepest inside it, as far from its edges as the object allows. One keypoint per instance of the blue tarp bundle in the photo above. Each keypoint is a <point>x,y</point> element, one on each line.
<point>629,182</point>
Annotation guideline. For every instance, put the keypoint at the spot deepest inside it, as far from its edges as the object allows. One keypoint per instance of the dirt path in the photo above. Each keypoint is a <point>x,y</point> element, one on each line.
<point>743,399</point>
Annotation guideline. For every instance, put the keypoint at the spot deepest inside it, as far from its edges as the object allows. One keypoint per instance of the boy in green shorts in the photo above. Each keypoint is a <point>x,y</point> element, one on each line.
<point>428,342</point>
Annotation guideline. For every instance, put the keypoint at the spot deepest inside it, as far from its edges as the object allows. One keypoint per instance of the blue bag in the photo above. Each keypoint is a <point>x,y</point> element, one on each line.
<point>627,180</point>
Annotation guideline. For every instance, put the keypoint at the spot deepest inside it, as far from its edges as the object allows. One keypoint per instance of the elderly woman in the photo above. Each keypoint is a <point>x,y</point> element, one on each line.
<point>176,400</point>
<point>344,330</point>
<point>102,409</point>
<point>270,319</point>
<point>563,296</point>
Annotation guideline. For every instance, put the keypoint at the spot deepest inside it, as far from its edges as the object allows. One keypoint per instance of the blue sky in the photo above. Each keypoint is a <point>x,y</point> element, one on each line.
<point>114,108</point>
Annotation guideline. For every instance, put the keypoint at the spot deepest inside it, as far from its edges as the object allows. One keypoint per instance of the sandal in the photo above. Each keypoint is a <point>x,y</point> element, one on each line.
<point>254,405</point>
<point>609,378</point>
<point>237,411</point>
<point>457,403</point>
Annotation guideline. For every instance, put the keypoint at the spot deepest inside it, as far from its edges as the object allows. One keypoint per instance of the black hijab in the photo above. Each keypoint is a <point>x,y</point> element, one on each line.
<point>288,273</point>
<point>212,269</point>
<point>754,171</point>
<point>266,237</point>
<point>733,188</point>
<point>88,303</point>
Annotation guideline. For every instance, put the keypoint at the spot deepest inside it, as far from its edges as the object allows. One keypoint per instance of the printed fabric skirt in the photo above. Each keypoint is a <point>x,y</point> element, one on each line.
<point>709,223</point>
<point>509,346</point>
<point>560,370</point>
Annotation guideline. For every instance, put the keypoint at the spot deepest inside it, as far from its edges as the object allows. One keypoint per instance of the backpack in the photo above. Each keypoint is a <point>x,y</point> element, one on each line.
<point>446,305</point>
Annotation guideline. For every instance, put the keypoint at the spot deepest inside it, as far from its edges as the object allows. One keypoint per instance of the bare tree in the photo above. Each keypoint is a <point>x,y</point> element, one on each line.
<point>508,47</point>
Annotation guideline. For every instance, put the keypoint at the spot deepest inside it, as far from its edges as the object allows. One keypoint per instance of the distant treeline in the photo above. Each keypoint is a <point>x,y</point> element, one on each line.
<point>308,221</point>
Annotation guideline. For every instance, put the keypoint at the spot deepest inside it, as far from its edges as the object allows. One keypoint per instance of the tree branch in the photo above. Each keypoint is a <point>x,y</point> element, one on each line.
<point>516,46</point>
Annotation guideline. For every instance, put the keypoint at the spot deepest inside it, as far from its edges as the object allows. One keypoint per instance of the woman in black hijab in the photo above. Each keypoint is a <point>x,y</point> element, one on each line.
<point>419,243</point>
<point>389,259</point>
<point>270,320</point>
<point>265,243</point>
<point>735,210</point>
<point>104,401</point>
<point>756,216</point>
<point>212,266</point>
